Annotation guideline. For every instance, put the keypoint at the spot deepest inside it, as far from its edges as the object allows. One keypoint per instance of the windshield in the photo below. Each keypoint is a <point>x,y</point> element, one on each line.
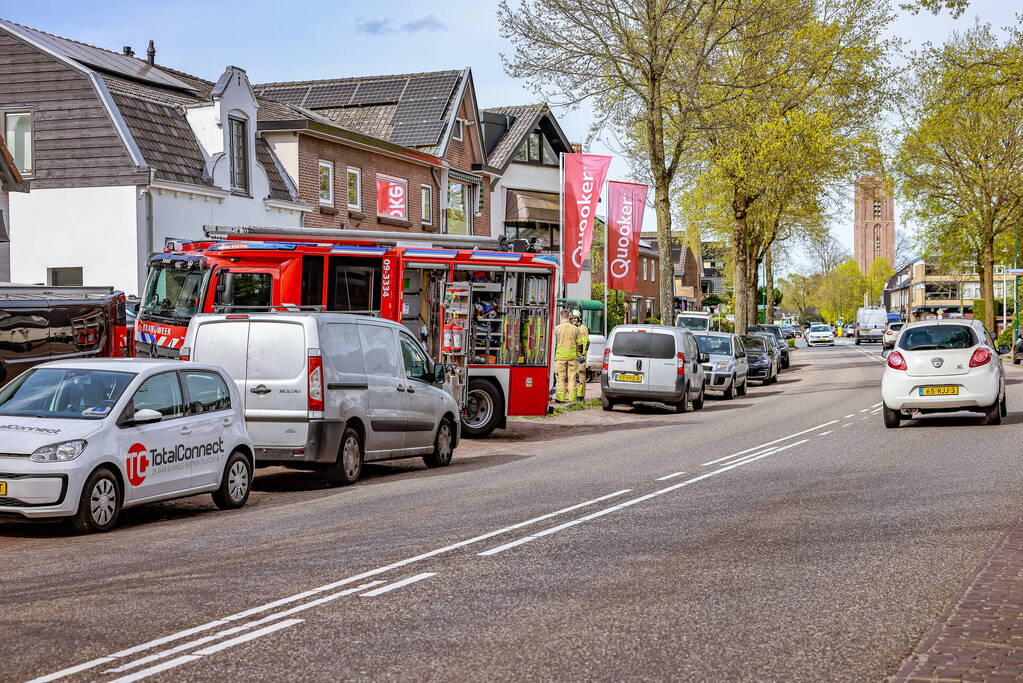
<point>64,393</point>
<point>895,326</point>
<point>173,293</point>
<point>693,322</point>
<point>721,346</point>
<point>774,331</point>
<point>755,345</point>
<point>820,328</point>
<point>938,337</point>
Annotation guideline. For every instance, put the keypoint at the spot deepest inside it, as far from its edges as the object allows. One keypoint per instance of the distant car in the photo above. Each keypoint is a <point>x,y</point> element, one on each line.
<point>658,363</point>
<point>871,322</point>
<point>820,335</point>
<point>783,346</point>
<point>595,355</point>
<point>941,366</point>
<point>789,331</point>
<point>726,369</point>
<point>84,439</point>
<point>891,333</point>
<point>761,357</point>
<point>697,321</point>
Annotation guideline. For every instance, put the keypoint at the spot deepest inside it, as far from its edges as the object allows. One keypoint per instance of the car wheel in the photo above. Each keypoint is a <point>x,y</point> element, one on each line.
<point>743,388</point>
<point>698,403</point>
<point>785,363</point>
<point>607,403</point>
<point>100,503</point>
<point>1015,361</point>
<point>443,446</point>
<point>236,483</point>
<point>348,467</point>
<point>730,391</point>
<point>993,415</point>
<point>682,406</point>
<point>892,418</point>
<point>483,409</point>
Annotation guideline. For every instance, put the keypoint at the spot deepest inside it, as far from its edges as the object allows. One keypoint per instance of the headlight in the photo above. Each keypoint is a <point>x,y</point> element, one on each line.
<point>723,364</point>
<point>59,452</point>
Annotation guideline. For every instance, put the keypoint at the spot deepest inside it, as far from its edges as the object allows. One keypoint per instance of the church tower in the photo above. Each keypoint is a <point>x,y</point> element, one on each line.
<point>874,223</point>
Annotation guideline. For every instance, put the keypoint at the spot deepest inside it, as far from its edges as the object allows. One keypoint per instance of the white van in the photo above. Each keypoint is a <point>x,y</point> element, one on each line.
<point>331,390</point>
<point>652,363</point>
<point>698,321</point>
<point>871,322</point>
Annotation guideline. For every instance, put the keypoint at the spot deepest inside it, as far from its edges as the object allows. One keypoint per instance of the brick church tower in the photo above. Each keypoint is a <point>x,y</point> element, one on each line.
<point>874,223</point>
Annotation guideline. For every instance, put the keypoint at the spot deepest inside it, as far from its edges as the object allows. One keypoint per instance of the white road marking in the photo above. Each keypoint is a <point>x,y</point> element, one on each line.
<point>397,584</point>
<point>877,405</point>
<point>769,443</point>
<point>875,411</point>
<point>634,501</point>
<point>868,354</point>
<point>850,415</point>
<point>847,424</point>
<point>825,433</point>
<point>670,476</point>
<point>163,666</point>
<point>85,666</point>
<point>865,410</point>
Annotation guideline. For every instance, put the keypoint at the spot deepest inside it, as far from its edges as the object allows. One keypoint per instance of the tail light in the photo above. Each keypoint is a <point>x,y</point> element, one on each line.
<point>607,354</point>
<point>315,383</point>
<point>896,361</point>
<point>980,357</point>
<point>185,354</point>
<point>681,370</point>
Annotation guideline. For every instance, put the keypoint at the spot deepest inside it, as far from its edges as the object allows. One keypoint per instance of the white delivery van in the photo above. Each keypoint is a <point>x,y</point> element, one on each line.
<point>871,322</point>
<point>331,390</point>
<point>698,321</point>
<point>653,363</point>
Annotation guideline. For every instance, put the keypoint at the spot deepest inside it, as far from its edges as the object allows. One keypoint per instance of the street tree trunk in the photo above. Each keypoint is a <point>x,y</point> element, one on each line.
<point>987,283</point>
<point>769,287</point>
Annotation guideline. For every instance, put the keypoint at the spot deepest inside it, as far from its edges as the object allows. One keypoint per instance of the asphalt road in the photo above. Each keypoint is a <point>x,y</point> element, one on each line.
<point>785,535</point>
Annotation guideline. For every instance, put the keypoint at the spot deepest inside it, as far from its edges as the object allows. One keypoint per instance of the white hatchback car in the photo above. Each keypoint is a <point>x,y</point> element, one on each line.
<point>941,366</point>
<point>820,335</point>
<point>86,438</point>
<point>891,333</point>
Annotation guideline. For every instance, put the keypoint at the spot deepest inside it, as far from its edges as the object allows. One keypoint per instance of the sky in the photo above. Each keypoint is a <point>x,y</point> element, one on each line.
<point>309,39</point>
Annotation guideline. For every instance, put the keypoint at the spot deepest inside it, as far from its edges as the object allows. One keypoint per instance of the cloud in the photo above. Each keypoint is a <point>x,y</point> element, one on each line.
<point>387,25</point>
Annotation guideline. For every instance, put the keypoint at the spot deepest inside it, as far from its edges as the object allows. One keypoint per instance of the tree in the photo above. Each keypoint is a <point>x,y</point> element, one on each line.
<point>903,249</point>
<point>961,158</point>
<point>798,290</point>
<point>878,274</point>
<point>840,292</point>
<point>955,7</point>
<point>825,251</point>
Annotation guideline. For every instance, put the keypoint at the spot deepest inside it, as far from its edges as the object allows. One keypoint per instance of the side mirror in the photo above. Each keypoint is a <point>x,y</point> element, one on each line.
<point>146,416</point>
<point>1004,348</point>
<point>439,374</point>
<point>704,357</point>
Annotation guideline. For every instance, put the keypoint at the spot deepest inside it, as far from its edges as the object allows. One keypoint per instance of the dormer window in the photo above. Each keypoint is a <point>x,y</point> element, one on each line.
<point>457,131</point>
<point>238,140</point>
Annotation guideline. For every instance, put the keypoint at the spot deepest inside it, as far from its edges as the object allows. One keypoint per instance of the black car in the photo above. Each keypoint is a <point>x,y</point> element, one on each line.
<point>1017,351</point>
<point>762,357</point>
<point>779,335</point>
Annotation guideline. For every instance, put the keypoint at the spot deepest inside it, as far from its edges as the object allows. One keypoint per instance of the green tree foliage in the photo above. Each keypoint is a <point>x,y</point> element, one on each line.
<point>877,277</point>
<point>840,292</point>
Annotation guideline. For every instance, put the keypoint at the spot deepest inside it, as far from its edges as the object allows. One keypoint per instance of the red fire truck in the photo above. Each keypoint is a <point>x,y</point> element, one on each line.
<point>487,315</point>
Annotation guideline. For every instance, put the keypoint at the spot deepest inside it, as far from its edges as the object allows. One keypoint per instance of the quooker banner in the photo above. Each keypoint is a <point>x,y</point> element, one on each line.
<point>625,203</point>
<point>392,197</point>
<point>584,176</point>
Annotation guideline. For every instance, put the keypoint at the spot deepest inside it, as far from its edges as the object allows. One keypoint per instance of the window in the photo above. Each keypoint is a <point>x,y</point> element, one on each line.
<point>537,149</point>
<point>426,193</point>
<point>392,197</point>
<point>238,140</point>
<point>417,365</point>
<point>353,284</point>
<point>327,183</point>
<point>877,210</point>
<point>456,132</point>
<point>65,277</point>
<point>244,292</point>
<point>381,355</point>
<point>644,267</point>
<point>64,393</point>
<point>340,342</point>
<point>312,281</point>
<point>18,139</point>
<point>354,189</point>
<point>937,338</point>
<point>644,344</point>
<point>161,393</point>
<point>207,392</point>
<point>459,222</point>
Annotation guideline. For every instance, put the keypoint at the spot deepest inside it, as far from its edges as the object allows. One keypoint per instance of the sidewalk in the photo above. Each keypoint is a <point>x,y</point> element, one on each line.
<point>979,636</point>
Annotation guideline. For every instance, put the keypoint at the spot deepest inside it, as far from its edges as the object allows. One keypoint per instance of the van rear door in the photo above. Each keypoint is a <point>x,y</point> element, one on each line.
<point>628,364</point>
<point>277,384</point>
<point>663,361</point>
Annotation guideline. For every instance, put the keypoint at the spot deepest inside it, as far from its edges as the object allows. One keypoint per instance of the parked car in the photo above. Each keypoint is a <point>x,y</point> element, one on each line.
<point>941,366</point>
<point>871,322</point>
<point>891,333</point>
<point>783,346</point>
<point>40,324</point>
<point>697,321</point>
<point>331,390</point>
<point>820,335</point>
<point>87,438</point>
<point>788,331</point>
<point>761,356</point>
<point>653,363</point>
<point>1017,351</point>
<point>727,368</point>
<point>595,356</point>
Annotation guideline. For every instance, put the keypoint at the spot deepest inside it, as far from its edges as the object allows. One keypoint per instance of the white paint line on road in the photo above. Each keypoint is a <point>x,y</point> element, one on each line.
<point>847,424</point>
<point>875,411</point>
<point>865,410</point>
<point>769,443</point>
<point>56,675</point>
<point>868,354</point>
<point>397,584</point>
<point>825,433</point>
<point>670,476</point>
<point>163,666</point>
<point>640,499</point>
<point>877,405</point>
<point>850,415</point>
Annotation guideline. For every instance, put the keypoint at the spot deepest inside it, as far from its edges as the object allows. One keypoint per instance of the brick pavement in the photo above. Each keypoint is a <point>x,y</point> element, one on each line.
<point>979,636</point>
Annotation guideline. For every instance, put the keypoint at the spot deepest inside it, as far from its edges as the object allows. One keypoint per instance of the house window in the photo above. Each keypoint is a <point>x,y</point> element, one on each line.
<point>326,183</point>
<point>426,196</point>
<point>457,130</point>
<point>354,188</point>
<point>239,151</point>
<point>459,221</point>
<point>64,277</point>
<point>536,149</point>
<point>877,210</point>
<point>392,197</point>
<point>644,267</point>
<point>18,138</point>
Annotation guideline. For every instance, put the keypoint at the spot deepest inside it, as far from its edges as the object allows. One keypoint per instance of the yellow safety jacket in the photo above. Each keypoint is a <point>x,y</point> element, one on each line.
<point>584,339</point>
<point>566,341</point>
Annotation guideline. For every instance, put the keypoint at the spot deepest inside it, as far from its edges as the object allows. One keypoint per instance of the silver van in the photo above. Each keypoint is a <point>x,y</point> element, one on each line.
<point>331,390</point>
<point>652,363</point>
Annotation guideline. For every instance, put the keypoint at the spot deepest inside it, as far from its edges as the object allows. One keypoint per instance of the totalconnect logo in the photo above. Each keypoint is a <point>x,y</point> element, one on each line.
<point>137,464</point>
<point>141,458</point>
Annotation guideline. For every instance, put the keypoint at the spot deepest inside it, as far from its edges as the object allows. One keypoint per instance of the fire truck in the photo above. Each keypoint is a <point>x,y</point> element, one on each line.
<point>487,315</point>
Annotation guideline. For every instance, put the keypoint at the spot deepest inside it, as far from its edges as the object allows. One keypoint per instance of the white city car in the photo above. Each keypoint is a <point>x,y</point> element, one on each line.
<point>86,438</point>
<point>891,333</point>
<point>820,335</point>
<point>941,366</point>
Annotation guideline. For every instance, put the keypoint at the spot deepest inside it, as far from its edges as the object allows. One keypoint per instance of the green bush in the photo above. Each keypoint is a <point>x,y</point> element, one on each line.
<point>792,343</point>
<point>1005,337</point>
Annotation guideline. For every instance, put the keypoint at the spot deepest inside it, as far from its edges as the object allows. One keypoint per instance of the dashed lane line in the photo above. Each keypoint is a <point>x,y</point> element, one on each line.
<point>769,443</point>
<point>397,584</point>
<point>670,476</point>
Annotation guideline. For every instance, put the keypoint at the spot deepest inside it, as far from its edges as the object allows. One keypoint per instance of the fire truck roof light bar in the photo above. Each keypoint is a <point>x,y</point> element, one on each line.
<point>431,253</point>
<point>410,239</point>
<point>495,256</point>
<point>373,251</point>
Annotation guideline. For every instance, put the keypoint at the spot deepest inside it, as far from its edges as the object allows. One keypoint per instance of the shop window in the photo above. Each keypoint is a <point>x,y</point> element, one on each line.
<point>17,129</point>
<point>459,221</point>
<point>326,170</point>
<point>355,189</point>
<point>426,195</point>
<point>239,152</point>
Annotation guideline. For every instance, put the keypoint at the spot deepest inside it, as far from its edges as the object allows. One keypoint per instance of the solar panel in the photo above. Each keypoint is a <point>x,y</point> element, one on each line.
<point>379,92</point>
<point>290,95</point>
<point>430,87</point>
<point>420,110</point>
<point>335,95</point>
<point>419,134</point>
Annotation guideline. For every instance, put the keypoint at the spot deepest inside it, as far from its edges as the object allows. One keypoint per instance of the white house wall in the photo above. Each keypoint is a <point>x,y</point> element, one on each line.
<point>94,228</point>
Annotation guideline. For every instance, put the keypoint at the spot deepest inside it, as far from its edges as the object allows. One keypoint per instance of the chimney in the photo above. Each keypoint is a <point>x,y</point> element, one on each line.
<point>151,54</point>
<point>127,51</point>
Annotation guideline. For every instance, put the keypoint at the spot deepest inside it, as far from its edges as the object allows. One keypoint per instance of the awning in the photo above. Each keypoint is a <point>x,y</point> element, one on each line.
<point>527,206</point>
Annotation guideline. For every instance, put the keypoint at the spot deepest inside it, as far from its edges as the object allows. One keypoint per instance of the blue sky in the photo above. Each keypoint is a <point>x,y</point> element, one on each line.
<point>306,39</point>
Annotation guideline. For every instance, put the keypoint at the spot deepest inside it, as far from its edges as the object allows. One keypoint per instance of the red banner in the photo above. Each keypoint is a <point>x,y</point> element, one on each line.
<point>392,197</point>
<point>625,203</point>
<point>584,176</point>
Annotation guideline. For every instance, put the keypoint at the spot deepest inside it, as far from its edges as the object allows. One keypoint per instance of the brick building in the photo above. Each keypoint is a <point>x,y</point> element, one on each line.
<point>874,223</point>
<point>643,301</point>
<point>392,153</point>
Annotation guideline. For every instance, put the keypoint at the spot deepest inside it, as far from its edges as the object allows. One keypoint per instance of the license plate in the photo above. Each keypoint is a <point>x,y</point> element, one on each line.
<point>628,377</point>
<point>939,391</point>
<point>3,488</point>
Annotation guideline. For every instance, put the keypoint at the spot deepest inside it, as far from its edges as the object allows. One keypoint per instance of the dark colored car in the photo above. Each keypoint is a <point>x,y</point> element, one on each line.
<point>776,331</point>
<point>788,331</point>
<point>40,324</point>
<point>1017,351</point>
<point>762,357</point>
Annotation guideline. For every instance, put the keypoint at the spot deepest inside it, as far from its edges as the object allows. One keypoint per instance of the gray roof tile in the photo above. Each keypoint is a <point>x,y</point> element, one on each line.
<point>525,118</point>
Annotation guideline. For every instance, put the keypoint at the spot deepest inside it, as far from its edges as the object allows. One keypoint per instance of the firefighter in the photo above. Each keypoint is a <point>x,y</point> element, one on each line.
<point>566,358</point>
<point>582,346</point>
